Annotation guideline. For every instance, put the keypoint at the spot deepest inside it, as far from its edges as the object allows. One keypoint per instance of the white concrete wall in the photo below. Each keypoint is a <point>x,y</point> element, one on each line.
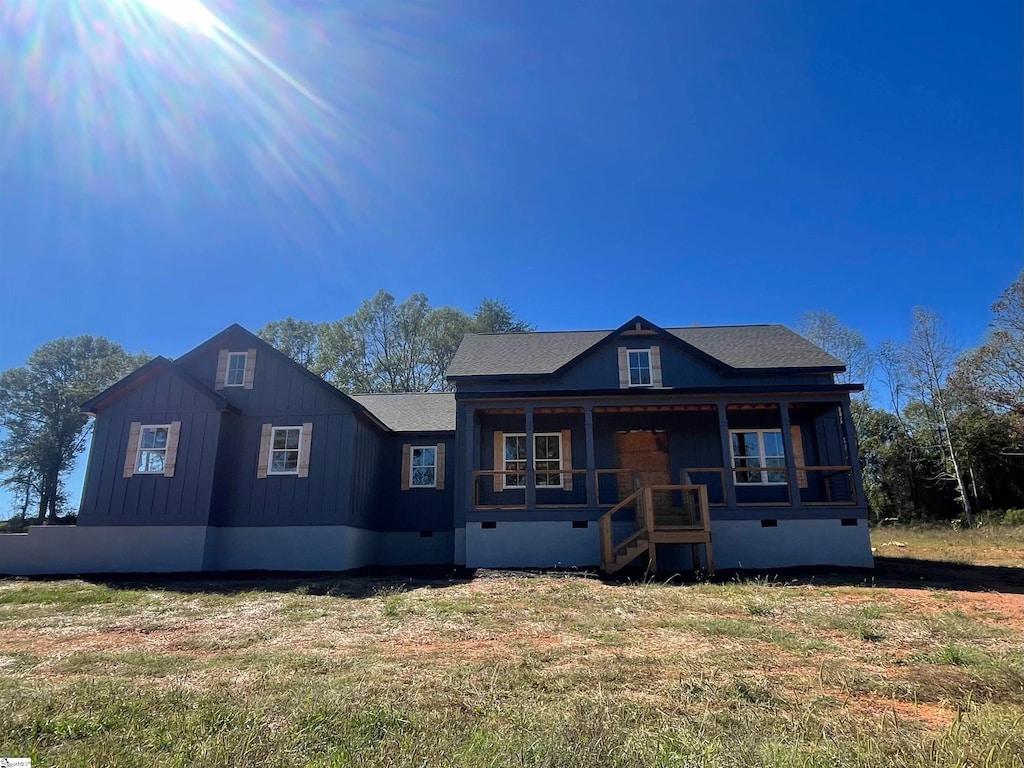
<point>102,549</point>
<point>409,548</point>
<point>745,544</point>
<point>291,548</point>
<point>532,545</point>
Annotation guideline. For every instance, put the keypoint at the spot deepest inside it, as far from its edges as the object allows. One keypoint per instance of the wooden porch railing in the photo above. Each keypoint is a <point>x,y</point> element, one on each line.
<point>489,491</point>
<point>662,514</point>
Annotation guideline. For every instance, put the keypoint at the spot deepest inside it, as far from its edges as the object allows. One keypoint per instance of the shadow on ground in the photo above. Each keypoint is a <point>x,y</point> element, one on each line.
<point>375,581</point>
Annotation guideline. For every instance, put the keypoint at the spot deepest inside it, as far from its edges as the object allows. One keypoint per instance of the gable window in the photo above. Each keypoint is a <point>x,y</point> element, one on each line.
<point>235,376</point>
<point>758,457</point>
<point>423,469</point>
<point>547,460</point>
<point>235,369</point>
<point>284,451</point>
<point>152,452</point>
<point>640,368</point>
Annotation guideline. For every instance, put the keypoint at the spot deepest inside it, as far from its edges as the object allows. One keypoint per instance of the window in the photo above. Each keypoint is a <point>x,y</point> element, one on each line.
<point>639,368</point>
<point>152,453</point>
<point>761,450</point>
<point>547,460</point>
<point>423,469</point>
<point>284,450</point>
<point>235,376</point>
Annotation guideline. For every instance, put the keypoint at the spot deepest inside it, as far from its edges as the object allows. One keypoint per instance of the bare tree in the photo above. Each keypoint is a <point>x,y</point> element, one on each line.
<point>929,359</point>
<point>845,344</point>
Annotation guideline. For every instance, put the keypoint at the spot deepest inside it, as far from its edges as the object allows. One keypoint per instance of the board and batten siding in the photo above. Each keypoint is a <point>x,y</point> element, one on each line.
<point>416,509</point>
<point>110,498</point>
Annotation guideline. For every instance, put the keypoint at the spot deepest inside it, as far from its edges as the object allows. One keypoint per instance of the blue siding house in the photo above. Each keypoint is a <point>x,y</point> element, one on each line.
<point>671,448</point>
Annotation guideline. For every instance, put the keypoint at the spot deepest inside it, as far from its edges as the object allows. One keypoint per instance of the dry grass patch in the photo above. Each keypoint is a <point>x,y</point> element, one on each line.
<point>538,670</point>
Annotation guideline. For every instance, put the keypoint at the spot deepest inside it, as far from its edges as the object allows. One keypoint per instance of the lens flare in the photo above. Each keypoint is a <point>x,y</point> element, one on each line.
<point>279,106</point>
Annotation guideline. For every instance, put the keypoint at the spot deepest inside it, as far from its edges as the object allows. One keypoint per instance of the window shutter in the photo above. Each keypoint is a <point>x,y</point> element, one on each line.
<point>499,459</point>
<point>264,457</point>
<point>406,465</point>
<point>798,453</point>
<point>304,444</point>
<point>623,368</point>
<point>131,454</point>
<point>567,459</point>
<point>171,457</point>
<point>439,472</point>
<point>656,367</point>
<point>222,369</point>
<point>250,369</point>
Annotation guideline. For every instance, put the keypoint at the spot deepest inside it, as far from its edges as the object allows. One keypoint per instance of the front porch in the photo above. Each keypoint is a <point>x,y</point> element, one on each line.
<point>660,471</point>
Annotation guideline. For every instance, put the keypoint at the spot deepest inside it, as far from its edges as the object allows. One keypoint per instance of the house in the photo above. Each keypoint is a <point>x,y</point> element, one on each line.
<point>728,447</point>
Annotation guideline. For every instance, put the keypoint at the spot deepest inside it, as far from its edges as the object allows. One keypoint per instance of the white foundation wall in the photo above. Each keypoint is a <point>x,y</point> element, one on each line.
<point>61,549</point>
<point>69,549</point>
<point>745,544</point>
<point>410,548</point>
<point>290,548</point>
<point>532,545</point>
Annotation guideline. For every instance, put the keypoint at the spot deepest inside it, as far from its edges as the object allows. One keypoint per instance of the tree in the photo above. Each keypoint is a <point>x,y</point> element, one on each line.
<point>845,344</point>
<point>327,349</point>
<point>44,429</point>
<point>929,360</point>
<point>994,372</point>
<point>386,346</point>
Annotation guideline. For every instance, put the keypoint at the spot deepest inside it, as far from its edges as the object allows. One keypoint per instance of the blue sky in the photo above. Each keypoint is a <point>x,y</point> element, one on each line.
<point>167,168</point>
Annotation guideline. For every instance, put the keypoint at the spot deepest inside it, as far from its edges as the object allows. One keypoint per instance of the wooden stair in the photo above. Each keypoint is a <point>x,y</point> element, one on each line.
<point>628,551</point>
<point>658,520</point>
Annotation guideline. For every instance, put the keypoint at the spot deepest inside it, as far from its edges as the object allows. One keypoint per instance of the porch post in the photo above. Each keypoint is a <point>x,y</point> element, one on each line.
<point>728,477</point>
<point>531,474</point>
<point>852,452</point>
<point>471,453</point>
<point>588,423</point>
<point>793,482</point>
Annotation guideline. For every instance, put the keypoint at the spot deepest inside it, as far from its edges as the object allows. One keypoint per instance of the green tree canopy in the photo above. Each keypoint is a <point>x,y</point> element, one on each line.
<point>43,427</point>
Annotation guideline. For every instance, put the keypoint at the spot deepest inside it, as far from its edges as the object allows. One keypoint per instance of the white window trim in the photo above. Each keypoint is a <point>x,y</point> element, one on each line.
<point>561,459</point>
<point>650,369</point>
<point>761,458</point>
<point>412,466</point>
<point>139,450</point>
<point>298,452</point>
<point>227,371</point>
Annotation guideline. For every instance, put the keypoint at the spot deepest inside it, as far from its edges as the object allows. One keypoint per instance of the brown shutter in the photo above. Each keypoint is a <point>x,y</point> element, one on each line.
<point>623,368</point>
<point>499,459</point>
<point>250,369</point>
<point>171,457</point>
<point>656,366</point>
<point>406,465</point>
<point>264,457</point>
<point>222,369</point>
<point>798,453</point>
<point>304,443</point>
<point>439,472</point>
<point>566,459</point>
<point>132,454</point>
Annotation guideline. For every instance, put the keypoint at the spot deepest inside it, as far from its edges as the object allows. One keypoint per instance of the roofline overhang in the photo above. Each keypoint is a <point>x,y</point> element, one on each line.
<point>646,392</point>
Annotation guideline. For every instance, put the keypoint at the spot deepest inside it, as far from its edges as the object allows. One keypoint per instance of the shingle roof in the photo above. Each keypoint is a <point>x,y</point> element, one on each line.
<point>413,412</point>
<point>745,347</point>
<point>756,346</point>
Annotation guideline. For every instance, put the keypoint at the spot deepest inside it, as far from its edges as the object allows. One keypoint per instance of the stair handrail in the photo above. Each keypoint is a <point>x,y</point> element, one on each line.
<point>605,523</point>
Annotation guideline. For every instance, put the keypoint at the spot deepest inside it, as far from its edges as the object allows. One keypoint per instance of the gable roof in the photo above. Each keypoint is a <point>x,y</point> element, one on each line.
<point>736,348</point>
<point>413,412</point>
<point>157,365</point>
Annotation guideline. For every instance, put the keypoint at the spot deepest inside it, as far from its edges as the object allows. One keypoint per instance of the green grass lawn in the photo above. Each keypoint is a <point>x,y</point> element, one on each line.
<point>519,670</point>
